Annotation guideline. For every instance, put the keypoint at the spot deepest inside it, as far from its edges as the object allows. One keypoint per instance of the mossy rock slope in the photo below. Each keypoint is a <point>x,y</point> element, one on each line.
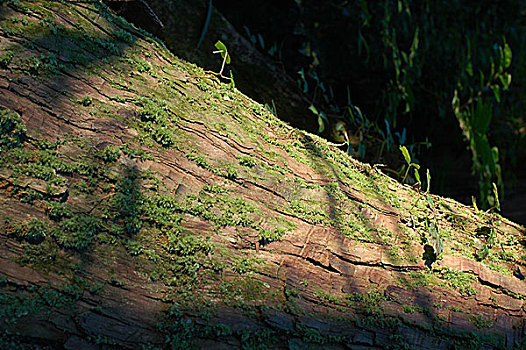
<point>145,204</point>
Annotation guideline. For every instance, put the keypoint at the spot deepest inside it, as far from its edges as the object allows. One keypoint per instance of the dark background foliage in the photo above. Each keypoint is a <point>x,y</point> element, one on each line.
<point>400,62</point>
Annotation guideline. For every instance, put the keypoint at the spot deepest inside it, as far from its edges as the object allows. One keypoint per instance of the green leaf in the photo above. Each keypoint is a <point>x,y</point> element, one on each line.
<point>232,83</point>
<point>351,113</point>
<point>492,71</point>
<point>484,152</point>
<point>321,124</point>
<point>313,109</point>
<point>324,116</point>
<point>505,80</point>
<point>224,52</point>
<point>428,174</point>
<point>496,194</point>
<point>507,56</point>
<point>261,42</point>
<point>430,201</point>
<point>417,175</point>
<point>496,92</point>
<point>495,154</point>
<point>455,103</point>
<point>469,69</point>
<point>405,152</point>
<point>481,117</point>
<point>474,202</point>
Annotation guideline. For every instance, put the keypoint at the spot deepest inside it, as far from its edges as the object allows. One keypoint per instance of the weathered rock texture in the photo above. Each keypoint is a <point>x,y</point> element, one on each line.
<point>145,204</point>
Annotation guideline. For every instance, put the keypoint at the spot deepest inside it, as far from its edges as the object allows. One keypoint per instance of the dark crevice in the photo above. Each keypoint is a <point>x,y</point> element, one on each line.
<point>318,264</point>
<point>379,264</point>
<point>499,288</point>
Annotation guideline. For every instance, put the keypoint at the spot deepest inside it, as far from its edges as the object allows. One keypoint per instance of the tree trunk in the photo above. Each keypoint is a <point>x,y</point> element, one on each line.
<point>146,204</point>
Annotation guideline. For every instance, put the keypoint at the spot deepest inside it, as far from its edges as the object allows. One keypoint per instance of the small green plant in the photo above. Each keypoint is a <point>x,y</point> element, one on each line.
<point>410,164</point>
<point>86,101</point>
<point>114,281</point>
<point>322,118</point>
<point>221,49</point>
<point>272,108</point>
<point>488,235</point>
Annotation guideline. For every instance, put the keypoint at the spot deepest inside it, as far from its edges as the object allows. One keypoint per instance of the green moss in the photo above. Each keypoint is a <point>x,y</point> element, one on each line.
<point>245,291</point>
<point>15,307</point>
<point>200,160</point>
<point>214,188</point>
<point>461,281</point>
<point>414,280</point>
<point>291,293</point>
<point>247,161</point>
<point>33,231</point>
<point>153,111</point>
<point>109,154</point>
<point>270,235</point>
<point>481,321</point>
<point>6,58</point>
<point>278,228</point>
<point>411,309</point>
<point>222,209</point>
<point>246,264</point>
<point>504,270</point>
<point>131,210</point>
<point>328,298</point>
<point>229,172</point>
<point>124,36</point>
<point>183,332</point>
<point>134,248</point>
<point>76,232</point>
<point>31,301</point>
<point>223,169</point>
<point>155,121</point>
<point>12,130</point>
<point>275,169</point>
<point>140,64</point>
<point>308,212</point>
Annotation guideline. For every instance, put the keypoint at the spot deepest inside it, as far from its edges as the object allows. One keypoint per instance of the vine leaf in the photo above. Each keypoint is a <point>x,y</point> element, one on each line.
<point>224,52</point>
